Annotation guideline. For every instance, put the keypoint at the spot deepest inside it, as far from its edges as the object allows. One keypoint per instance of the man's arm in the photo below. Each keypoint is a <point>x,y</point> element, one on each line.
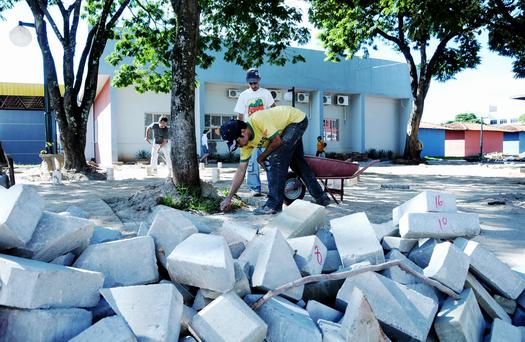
<point>147,133</point>
<point>238,178</point>
<point>274,144</point>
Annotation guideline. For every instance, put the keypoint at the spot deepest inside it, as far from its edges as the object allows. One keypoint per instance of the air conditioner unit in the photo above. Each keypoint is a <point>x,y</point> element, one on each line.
<point>233,93</point>
<point>276,94</point>
<point>327,99</point>
<point>303,97</point>
<point>342,100</point>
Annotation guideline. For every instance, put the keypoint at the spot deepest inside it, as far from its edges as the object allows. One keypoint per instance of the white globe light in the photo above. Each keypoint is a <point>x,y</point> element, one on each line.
<point>288,96</point>
<point>20,36</point>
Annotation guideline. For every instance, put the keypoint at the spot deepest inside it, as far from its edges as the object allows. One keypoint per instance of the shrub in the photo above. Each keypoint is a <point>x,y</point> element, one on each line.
<point>142,155</point>
<point>192,202</point>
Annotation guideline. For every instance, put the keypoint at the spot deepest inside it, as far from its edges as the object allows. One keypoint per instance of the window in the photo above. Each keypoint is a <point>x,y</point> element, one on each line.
<point>514,120</point>
<point>493,122</point>
<point>503,121</point>
<point>331,129</point>
<point>213,122</point>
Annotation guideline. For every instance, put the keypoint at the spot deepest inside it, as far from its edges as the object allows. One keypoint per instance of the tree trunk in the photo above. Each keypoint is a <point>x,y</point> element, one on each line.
<point>412,145</point>
<point>73,139</point>
<point>182,123</point>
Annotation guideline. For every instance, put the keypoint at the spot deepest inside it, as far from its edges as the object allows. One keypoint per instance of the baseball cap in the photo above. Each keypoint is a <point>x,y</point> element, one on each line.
<point>230,131</point>
<point>253,75</point>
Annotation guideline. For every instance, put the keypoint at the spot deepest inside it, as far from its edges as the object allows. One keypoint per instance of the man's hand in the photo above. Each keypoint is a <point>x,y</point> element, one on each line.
<point>225,204</point>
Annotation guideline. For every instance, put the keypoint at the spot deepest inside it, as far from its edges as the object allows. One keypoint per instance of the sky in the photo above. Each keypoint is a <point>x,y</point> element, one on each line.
<point>490,86</point>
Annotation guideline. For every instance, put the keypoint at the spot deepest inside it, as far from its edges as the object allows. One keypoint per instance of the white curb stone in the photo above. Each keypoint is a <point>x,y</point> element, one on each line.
<point>421,255</point>
<point>204,261</point>
<point>485,300</point>
<point>319,311</point>
<point>64,260</point>
<point>438,225</point>
<point>396,273</point>
<point>333,332</point>
<point>301,218</point>
<point>109,329</point>
<point>448,265</point>
<point>504,332</point>
<point>427,201</point>
<point>153,312</point>
<point>123,262</point>
<point>401,244</point>
<point>332,262</point>
<point>356,240</point>
<point>385,229</point>
<point>73,210</point>
<point>237,235</point>
<point>310,254</point>
<point>104,234</point>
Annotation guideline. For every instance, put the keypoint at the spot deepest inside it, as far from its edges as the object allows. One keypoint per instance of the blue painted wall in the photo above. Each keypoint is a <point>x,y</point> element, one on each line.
<point>511,142</point>
<point>522,142</point>
<point>433,141</point>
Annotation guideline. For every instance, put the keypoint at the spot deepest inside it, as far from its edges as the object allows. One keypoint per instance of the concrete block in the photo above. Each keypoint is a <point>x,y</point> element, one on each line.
<point>275,265</point>
<point>101,310</point>
<point>42,325</point>
<point>427,291</point>
<point>56,235</point>
<point>396,273</point>
<point>460,320</point>
<point>169,228</point>
<point>509,305</point>
<point>104,234</point>
<point>152,312</point>
<point>385,229</point>
<point>421,255</point>
<point>356,240</point>
<point>203,261</point>
<point>188,339</point>
<point>75,211</point>
<point>301,218</point>
<point>323,291</point>
<point>401,244</point>
<point>200,301</point>
<point>16,226</point>
<point>286,321</point>
<point>251,253</point>
<point>448,265</point>
<point>123,262</point>
<point>31,284</point>
<point>319,311</point>
<point>403,313</point>
<point>333,332</point>
<point>504,332</point>
<point>438,225</point>
<point>327,238</point>
<point>518,319</point>
<point>427,201</point>
<point>64,260</point>
<point>359,319</point>
<point>187,316</point>
<point>310,254</point>
<point>109,329</point>
<point>242,284</point>
<point>485,300</point>
<point>237,235</point>
<point>332,262</point>
<point>491,270</point>
<point>143,229</point>
<point>228,318</point>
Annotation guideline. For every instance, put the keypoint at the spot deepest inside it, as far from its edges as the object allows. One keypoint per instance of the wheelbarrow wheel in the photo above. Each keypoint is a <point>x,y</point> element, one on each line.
<point>294,188</point>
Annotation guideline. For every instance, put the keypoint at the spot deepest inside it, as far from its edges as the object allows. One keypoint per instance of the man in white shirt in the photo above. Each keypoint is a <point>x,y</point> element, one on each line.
<point>160,143</point>
<point>250,101</point>
<point>205,151</point>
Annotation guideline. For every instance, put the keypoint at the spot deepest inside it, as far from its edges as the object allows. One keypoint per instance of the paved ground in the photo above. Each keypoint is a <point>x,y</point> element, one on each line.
<point>379,190</point>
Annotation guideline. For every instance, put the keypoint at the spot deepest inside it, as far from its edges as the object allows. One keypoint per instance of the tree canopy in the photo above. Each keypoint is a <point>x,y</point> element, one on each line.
<point>521,119</point>
<point>441,34</point>
<point>466,117</point>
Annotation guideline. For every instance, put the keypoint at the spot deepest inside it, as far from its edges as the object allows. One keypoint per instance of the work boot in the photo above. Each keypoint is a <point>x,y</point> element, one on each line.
<point>323,200</point>
<point>264,210</point>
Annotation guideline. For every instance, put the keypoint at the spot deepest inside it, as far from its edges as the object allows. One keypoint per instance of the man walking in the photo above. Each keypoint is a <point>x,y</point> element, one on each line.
<point>250,101</point>
<point>280,131</point>
<point>160,143</point>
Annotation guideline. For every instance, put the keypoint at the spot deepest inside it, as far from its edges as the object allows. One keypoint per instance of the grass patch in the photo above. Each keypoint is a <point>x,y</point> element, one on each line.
<point>188,201</point>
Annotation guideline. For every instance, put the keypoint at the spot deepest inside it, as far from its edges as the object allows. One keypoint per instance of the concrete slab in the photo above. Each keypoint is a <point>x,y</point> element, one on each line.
<point>485,300</point>
<point>251,253</point>
<point>427,201</point>
<point>333,332</point>
<point>319,311</point>
<point>460,320</point>
<point>399,243</point>
<point>228,318</point>
<point>421,255</point>
<point>152,312</point>
<point>187,316</point>
<point>301,218</point>
<point>356,240</point>
<point>204,261</point>
<point>385,229</point>
<point>242,284</point>
<point>75,211</point>
<point>109,329</point>
<point>326,238</point>
<point>508,305</point>
<point>504,332</point>
<point>169,228</point>
<point>31,284</point>
<point>359,319</point>
<point>56,235</point>
<point>104,234</point>
<point>332,262</point>
<point>491,270</point>
<point>448,265</point>
<point>518,319</point>
<point>275,265</point>
<point>237,235</point>
<point>396,273</point>
<point>64,260</point>
<point>310,254</point>
<point>403,313</point>
<point>286,321</point>
<point>16,226</point>
<point>42,325</point>
<point>123,262</point>
<point>438,225</point>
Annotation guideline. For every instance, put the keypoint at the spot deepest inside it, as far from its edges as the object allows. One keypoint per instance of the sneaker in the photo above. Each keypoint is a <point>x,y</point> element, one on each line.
<point>255,193</point>
<point>324,201</point>
<point>264,210</point>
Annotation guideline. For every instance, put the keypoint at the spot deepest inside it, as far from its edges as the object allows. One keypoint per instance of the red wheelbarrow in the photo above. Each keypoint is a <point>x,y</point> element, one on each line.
<point>324,169</point>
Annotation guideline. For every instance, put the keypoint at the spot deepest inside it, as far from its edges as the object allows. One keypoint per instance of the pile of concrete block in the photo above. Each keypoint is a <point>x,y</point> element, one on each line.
<point>62,278</point>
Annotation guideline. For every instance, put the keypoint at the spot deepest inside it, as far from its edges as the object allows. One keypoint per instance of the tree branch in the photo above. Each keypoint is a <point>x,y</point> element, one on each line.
<point>51,22</point>
<point>111,22</point>
<point>347,274</point>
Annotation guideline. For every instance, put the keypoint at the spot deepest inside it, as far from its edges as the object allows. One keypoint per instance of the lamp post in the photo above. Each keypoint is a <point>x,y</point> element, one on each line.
<point>481,139</point>
<point>20,36</point>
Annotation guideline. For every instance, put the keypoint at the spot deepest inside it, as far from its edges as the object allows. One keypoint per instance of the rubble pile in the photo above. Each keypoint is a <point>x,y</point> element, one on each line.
<point>63,278</point>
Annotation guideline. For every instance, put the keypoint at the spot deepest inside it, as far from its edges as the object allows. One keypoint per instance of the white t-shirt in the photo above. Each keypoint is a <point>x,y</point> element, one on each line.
<point>251,101</point>
<point>204,140</point>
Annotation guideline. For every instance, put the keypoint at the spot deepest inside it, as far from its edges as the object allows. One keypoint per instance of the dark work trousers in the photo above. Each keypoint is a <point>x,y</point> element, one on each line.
<point>290,154</point>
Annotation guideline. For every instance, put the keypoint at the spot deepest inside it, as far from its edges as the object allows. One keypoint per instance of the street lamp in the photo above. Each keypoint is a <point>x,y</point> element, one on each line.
<point>481,139</point>
<point>20,36</point>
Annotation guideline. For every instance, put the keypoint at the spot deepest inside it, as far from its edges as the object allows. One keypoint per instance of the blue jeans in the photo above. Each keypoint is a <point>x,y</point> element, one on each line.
<point>254,180</point>
<point>290,154</point>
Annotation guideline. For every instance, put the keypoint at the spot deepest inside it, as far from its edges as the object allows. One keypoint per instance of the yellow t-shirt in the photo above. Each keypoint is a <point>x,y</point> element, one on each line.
<point>266,124</point>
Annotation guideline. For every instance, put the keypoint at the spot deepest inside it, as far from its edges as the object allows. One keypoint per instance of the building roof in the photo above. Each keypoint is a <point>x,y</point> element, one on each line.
<point>470,126</point>
<point>513,128</point>
<point>430,125</point>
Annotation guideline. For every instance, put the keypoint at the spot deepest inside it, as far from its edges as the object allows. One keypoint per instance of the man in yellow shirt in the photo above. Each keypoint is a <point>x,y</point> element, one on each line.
<point>279,130</point>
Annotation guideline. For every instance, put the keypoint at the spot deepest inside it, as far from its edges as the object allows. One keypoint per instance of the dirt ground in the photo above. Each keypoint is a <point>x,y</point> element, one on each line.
<point>495,192</point>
